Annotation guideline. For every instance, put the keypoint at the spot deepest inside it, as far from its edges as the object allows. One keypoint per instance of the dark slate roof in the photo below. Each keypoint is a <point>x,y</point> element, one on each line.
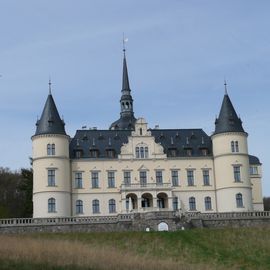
<point>182,140</point>
<point>179,140</point>
<point>125,80</point>
<point>254,160</point>
<point>124,123</point>
<point>50,121</point>
<point>228,121</point>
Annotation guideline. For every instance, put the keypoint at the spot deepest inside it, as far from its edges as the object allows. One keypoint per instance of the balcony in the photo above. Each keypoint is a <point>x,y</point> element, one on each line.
<point>146,186</point>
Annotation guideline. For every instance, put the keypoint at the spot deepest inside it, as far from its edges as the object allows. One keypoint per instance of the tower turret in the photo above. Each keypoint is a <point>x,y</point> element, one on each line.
<point>127,119</point>
<point>231,161</point>
<point>51,165</point>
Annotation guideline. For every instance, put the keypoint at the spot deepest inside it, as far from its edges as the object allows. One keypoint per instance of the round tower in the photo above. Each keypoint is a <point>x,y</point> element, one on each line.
<point>51,165</point>
<point>231,161</point>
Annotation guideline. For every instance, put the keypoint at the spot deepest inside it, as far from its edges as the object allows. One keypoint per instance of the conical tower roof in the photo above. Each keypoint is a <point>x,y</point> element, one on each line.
<point>228,121</point>
<point>50,121</point>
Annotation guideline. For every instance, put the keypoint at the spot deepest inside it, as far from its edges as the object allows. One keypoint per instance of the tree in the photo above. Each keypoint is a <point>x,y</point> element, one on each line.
<point>266,203</point>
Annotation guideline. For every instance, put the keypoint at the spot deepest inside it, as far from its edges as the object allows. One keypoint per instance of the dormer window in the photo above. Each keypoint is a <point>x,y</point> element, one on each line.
<point>172,152</point>
<point>93,153</point>
<point>189,152</point>
<point>78,153</point>
<point>204,151</point>
<point>110,153</point>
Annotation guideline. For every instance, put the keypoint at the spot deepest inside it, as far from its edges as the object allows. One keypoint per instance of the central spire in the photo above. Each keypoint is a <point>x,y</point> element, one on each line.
<point>127,119</point>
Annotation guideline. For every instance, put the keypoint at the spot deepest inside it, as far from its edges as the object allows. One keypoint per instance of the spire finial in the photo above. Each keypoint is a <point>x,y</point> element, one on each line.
<point>225,85</point>
<point>50,86</point>
<point>125,40</point>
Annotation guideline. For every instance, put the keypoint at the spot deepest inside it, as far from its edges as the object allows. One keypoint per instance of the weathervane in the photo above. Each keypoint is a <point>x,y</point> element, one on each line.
<point>125,40</point>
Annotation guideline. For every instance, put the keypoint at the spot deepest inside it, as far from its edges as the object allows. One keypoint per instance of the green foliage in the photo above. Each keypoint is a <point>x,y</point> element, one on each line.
<point>16,193</point>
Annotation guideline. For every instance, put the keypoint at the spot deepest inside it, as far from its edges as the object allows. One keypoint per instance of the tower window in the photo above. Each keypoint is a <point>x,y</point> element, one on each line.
<point>51,178</point>
<point>95,206</point>
<point>237,173</point>
<point>234,146</point>
<point>239,200</point>
<point>192,204</point>
<point>207,203</point>
<point>112,206</point>
<point>79,207</point>
<point>141,131</point>
<point>51,205</point>
<point>50,149</point>
<point>253,170</point>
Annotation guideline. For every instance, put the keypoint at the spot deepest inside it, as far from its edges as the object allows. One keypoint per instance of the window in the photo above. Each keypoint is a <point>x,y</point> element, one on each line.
<point>159,179</point>
<point>175,180</point>
<point>234,146</point>
<point>175,203</point>
<point>51,149</point>
<point>207,203</point>
<point>189,152</point>
<point>127,178</point>
<point>206,178</point>
<point>253,170</point>
<point>137,152</point>
<point>78,180</point>
<point>239,200</point>
<point>95,206</point>
<point>172,152</point>
<point>95,180</point>
<point>111,180</point>
<point>141,152</point>
<point>112,206</point>
<point>79,207</point>
<point>204,151</point>
<point>51,205</point>
<point>143,178</point>
<point>51,178</point>
<point>192,204</point>
<point>190,177</point>
<point>93,153</point>
<point>110,153</point>
<point>78,154</point>
<point>236,172</point>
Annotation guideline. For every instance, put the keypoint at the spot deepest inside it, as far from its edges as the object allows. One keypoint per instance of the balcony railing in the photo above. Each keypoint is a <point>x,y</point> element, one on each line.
<point>145,186</point>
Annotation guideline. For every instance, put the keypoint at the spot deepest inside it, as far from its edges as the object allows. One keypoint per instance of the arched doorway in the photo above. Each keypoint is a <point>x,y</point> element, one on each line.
<point>162,200</point>
<point>147,200</point>
<point>131,202</point>
<point>163,227</point>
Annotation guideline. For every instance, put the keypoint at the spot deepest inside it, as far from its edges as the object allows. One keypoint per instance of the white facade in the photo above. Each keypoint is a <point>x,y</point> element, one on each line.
<point>154,182</point>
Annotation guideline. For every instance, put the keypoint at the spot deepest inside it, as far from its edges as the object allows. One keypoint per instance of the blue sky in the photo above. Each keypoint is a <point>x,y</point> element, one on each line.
<point>178,54</point>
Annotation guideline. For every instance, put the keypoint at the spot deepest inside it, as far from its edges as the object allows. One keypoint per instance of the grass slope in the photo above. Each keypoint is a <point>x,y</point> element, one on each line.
<point>244,248</point>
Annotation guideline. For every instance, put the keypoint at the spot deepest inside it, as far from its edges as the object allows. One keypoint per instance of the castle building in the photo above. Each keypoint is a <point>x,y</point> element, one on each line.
<point>132,168</point>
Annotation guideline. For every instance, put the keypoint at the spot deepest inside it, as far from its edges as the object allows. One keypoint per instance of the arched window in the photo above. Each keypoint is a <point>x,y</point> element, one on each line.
<point>207,203</point>
<point>192,204</point>
<point>236,146</point>
<point>141,152</point>
<point>53,149</point>
<point>112,206</point>
<point>51,205</point>
<point>48,149</point>
<point>232,146</point>
<point>95,206</point>
<point>79,207</point>
<point>239,200</point>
